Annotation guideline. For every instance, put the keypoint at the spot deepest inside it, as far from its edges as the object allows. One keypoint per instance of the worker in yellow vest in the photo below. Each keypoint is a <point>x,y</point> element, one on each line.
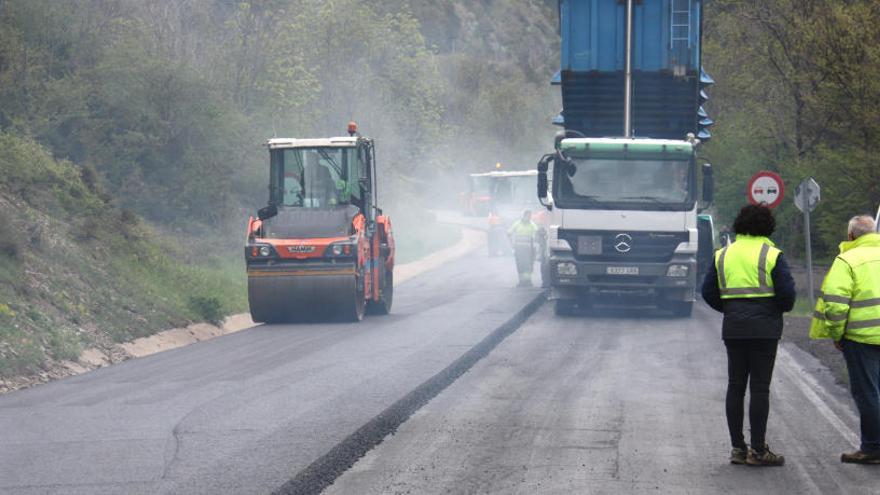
<point>848,312</point>
<point>522,235</point>
<point>752,285</point>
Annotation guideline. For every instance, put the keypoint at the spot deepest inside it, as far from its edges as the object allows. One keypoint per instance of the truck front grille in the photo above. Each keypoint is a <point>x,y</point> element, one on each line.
<point>643,247</point>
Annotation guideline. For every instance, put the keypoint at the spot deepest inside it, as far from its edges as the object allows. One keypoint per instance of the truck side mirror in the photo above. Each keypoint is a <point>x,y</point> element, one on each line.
<point>542,185</point>
<point>708,184</point>
<point>543,166</point>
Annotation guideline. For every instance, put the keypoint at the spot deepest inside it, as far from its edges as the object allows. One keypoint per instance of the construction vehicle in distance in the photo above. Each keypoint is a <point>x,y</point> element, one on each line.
<point>510,192</point>
<point>475,200</point>
<point>322,248</point>
<point>624,226</point>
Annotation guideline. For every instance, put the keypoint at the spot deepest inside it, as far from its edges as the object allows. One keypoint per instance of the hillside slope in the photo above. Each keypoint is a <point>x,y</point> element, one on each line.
<point>130,139</point>
<point>77,271</point>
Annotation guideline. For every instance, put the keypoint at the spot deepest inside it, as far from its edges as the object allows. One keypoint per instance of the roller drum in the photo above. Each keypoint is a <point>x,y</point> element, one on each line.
<point>288,298</point>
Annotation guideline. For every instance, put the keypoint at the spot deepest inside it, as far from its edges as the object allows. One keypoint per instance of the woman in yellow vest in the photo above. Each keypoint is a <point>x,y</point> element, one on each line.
<point>751,284</point>
<point>848,312</point>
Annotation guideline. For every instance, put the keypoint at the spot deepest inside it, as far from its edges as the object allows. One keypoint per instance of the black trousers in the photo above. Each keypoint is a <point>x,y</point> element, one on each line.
<point>749,363</point>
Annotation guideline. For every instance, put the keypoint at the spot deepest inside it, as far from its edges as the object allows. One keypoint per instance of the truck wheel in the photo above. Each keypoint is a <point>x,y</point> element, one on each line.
<point>563,307</point>
<point>682,309</point>
<point>383,305</point>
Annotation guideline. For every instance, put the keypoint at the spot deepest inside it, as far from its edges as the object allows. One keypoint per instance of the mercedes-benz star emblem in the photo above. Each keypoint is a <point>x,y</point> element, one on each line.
<point>623,243</point>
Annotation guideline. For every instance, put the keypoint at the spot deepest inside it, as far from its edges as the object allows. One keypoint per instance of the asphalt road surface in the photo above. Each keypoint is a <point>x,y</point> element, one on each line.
<point>246,412</point>
<point>613,403</point>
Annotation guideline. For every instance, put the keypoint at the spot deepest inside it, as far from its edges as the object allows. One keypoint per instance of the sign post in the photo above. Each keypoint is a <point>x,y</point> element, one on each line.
<point>877,220</point>
<point>806,198</point>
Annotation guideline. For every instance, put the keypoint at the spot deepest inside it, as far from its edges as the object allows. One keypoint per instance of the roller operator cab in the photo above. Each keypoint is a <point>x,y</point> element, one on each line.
<point>623,226</point>
<point>321,248</point>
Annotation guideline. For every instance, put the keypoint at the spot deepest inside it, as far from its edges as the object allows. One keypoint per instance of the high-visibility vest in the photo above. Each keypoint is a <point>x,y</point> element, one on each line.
<point>849,306</point>
<point>523,232</point>
<point>745,267</point>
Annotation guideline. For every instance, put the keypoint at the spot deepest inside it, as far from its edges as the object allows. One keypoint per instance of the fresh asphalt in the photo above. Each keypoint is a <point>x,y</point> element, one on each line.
<point>614,403</point>
<point>609,403</point>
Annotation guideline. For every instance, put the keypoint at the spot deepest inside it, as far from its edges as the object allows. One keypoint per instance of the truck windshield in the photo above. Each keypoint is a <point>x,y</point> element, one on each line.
<point>514,190</point>
<point>310,177</point>
<point>593,183</point>
<point>480,184</point>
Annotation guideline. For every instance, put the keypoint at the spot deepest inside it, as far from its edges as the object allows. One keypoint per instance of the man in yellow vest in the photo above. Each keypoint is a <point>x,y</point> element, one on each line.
<point>522,235</point>
<point>848,312</point>
<point>751,284</point>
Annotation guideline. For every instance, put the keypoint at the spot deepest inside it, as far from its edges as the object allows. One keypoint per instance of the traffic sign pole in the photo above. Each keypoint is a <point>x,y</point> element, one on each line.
<point>877,220</point>
<point>809,256</point>
<point>806,198</point>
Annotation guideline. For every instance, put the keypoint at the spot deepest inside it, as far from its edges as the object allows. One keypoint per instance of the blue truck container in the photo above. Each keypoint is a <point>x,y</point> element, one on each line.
<point>667,76</point>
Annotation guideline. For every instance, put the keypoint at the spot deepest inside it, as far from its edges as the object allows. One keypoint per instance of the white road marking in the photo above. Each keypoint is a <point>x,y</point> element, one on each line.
<point>811,389</point>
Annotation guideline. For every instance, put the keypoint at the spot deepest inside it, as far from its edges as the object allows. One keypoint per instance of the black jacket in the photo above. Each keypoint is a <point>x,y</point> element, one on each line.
<point>753,318</point>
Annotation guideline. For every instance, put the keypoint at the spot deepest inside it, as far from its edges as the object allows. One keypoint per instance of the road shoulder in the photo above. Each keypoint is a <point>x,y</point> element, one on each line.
<point>99,357</point>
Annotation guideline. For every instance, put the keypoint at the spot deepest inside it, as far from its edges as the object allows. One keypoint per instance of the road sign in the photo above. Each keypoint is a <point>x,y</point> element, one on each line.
<point>807,194</point>
<point>766,188</point>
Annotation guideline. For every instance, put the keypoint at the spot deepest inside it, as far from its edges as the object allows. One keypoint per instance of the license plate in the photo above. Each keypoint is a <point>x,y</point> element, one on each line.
<point>622,270</point>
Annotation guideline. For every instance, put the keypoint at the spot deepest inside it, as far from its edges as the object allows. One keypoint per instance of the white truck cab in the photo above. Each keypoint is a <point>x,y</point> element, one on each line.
<point>623,225</point>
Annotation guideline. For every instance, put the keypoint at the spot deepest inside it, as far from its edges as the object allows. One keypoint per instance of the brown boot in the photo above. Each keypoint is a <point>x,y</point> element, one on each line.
<point>738,455</point>
<point>764,458</point>
<point>860,457</point>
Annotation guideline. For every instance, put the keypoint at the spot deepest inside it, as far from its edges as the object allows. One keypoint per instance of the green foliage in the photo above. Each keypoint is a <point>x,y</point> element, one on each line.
<point>208,308</point>
<point>130,139</point>
<point>63,344</point>
<point>29,172</point>
<point>83,263</point>
<point>10,243</point>
<point>20,353</point>
<point>6,311</point>
<point>797,94</point>
<point>163,103</point>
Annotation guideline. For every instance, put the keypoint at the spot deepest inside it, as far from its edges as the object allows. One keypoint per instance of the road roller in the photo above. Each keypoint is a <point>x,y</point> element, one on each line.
<point>322,248</point>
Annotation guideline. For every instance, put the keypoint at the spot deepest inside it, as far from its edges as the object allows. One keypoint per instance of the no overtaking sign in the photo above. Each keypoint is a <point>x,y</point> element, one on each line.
<point>766,188</point>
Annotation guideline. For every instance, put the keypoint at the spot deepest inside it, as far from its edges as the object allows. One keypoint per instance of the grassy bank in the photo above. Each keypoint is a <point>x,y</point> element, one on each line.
<point>77,270</point>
